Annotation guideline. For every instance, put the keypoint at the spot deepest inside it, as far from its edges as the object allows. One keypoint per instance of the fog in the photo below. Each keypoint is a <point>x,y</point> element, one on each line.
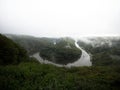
<point>59,18</point>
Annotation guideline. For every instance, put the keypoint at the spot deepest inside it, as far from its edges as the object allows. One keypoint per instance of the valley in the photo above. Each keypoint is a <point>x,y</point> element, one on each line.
<point>67,51</point>
<point>30,63</point>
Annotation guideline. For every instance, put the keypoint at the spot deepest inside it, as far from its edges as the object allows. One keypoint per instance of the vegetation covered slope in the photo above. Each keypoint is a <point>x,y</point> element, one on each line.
<point>105,51</point>
<point>10,52</point>
<point>57,50</point>
<point>35,76</point>
<point>31,44</point>
<point>62,52</point>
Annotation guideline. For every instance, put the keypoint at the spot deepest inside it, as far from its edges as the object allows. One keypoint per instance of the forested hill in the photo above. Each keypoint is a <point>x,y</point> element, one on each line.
<point>57,50</point>
<point>105,51</point>
<point>10,52</point>
<point>18,72</point>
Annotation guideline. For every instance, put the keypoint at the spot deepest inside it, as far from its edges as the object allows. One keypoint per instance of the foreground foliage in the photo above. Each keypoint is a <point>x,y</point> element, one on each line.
<point>35,76</point>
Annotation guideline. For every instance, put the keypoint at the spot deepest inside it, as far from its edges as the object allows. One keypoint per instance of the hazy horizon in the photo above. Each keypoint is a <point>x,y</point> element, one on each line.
<point>64,18</point>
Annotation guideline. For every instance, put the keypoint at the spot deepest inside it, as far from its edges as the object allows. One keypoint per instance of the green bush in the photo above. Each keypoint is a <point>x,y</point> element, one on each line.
<point>34,76</point>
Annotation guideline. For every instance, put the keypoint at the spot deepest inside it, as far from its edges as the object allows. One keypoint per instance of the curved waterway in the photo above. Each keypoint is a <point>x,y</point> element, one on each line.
<point>84,60</point>
<point>37,56</point>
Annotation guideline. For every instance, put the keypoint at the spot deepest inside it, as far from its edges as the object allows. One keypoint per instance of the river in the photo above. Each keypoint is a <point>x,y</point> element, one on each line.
<point>84,60</point>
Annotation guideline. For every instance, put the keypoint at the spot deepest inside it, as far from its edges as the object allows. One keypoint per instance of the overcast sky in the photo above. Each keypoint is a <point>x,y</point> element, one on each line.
<point>56,18</point>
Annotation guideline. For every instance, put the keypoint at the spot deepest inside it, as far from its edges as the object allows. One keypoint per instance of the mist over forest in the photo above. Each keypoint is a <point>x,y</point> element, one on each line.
<point>59,44</point>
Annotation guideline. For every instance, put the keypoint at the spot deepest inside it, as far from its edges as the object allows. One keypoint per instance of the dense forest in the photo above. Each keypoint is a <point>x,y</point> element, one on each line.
<point>20,72</point>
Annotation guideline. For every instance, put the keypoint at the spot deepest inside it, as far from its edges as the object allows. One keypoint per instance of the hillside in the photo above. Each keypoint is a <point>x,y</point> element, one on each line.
<point>10,52</point>
<point>105,51</point>
<point>57,50</point>
<point>18,72</point>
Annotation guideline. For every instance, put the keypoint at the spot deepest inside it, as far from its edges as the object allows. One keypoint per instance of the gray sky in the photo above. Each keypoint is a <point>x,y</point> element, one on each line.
<point>56,18</point>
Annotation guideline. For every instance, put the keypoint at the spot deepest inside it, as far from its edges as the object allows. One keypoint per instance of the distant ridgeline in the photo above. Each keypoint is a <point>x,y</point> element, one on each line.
<point>57,50</point>
<point>10,52</point>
